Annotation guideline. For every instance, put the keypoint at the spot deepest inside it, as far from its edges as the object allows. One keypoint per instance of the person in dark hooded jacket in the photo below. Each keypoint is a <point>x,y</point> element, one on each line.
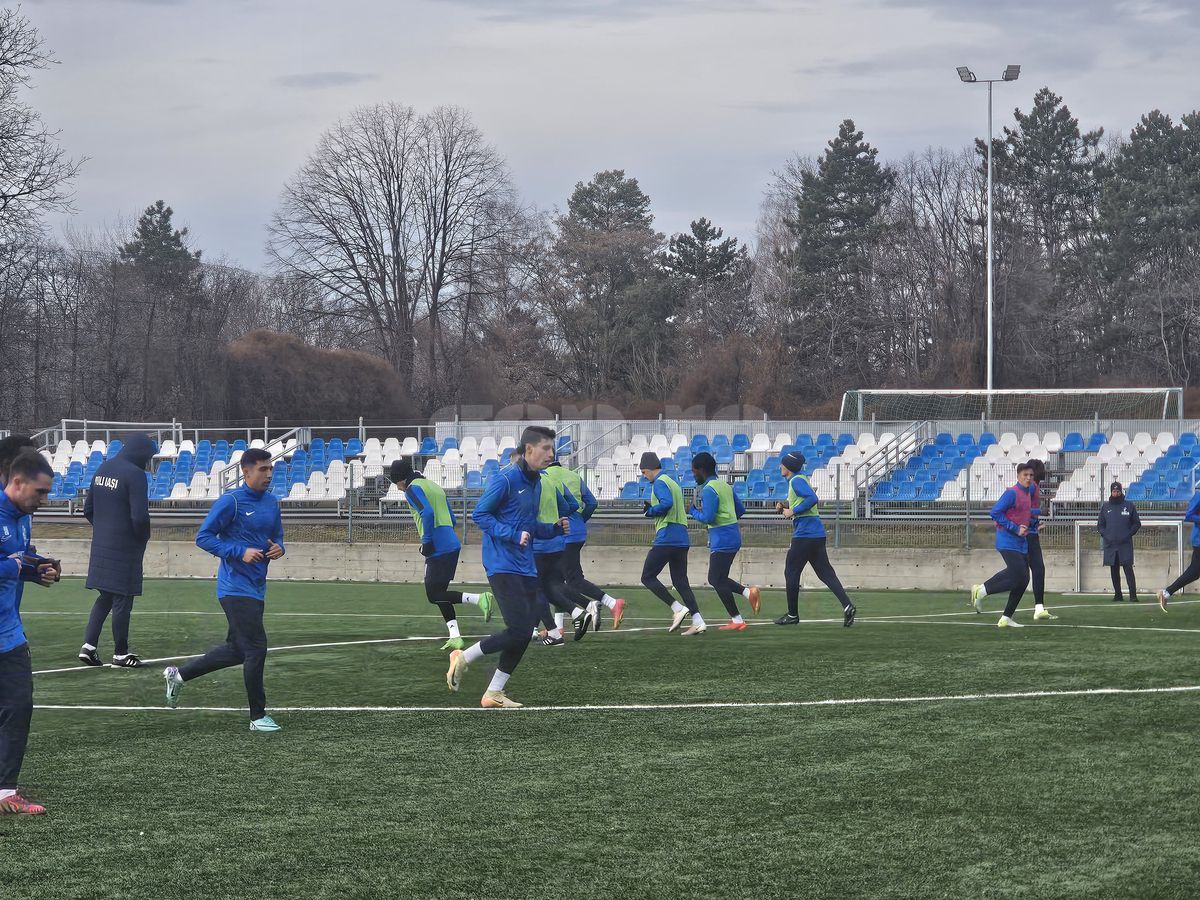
<point>1118,523</point>
<point>118,507</point>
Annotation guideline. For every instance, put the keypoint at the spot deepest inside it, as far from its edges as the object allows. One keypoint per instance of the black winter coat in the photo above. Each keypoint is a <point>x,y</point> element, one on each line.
<point>1118,523</point>
<point>118,507</point>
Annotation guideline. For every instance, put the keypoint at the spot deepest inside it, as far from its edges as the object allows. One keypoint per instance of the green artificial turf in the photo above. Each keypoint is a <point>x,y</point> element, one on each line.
<point>1056,796</point>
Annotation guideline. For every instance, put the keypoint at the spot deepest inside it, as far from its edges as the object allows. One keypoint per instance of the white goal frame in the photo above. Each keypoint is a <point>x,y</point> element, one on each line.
<point>1080,524</point>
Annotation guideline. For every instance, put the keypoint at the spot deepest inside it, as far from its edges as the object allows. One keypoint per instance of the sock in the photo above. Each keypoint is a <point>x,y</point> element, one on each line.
<point>499,680</point>
<point>676,606</point>
<point>452,627</point>
<point>470,598</point>
<point>1166,593</point>
<point>698,619</point>
<point>120,656</point>
<point>5,793</point>
<point>559,618</point>
<point>555,633</point>
<point>983,590</point>
<point>1037,607</point>
<point>746,593</point>
<point>88,647</point>
<point>474,653</point>
<point>575,614</point>
<point>738,620</point>
<point>608,601</point>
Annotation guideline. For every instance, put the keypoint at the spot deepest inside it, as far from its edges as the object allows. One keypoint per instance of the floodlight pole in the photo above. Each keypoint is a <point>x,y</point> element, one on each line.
<point>1011,73</point>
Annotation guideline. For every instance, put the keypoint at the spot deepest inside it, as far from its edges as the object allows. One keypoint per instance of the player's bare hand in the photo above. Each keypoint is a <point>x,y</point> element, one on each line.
<point>1023,530</point>
<point>565,525</point>
<point>47,574</point>
<point>252,555</point>
<point>274,551</point>
<point>524,538</point>
<point>787,512</point>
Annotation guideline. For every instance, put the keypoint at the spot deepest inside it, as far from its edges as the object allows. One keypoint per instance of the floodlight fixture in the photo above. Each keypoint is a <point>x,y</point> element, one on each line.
<point>1011,73</point>
<point>966,74</point>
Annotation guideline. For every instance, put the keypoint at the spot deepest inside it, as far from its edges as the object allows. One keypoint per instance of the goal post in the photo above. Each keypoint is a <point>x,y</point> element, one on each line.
<point>1024,403</point>
<point>1158,536</point>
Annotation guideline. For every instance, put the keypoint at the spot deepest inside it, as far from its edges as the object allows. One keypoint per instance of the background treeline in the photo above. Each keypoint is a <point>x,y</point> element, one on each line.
<point>406,276</point>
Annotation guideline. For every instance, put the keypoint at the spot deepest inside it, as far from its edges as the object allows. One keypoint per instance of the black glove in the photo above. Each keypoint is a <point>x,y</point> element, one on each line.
<point>427,549</point>
<point>645,507</point>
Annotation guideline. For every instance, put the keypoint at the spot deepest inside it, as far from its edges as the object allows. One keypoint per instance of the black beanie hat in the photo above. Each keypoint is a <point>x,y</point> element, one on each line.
<point>650,460</point>
<point>401,470</point>
<point>793,462</point>
<point>705,462</point>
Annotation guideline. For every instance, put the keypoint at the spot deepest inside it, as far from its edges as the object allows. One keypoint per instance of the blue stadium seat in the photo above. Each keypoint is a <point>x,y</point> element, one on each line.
<point>646,491</point>
<point>883,491</point>
<point>759,490</point>
<point>1160,490</point>
<point>354,447</point>
<point>565,446</point>
<point>687,480</point>
<point>756,475</point>
<point>929,491</point>
<point>723,454</point>
<point>491,467</point>
<point>720,440</point>
<point>986,440</point>
<point>204,446</point>
<point>699,442</point>
<point>739,490</point>
<point>1136,491</point>
<point>239,444</point>
<point>1096,441</point>
<point>741,442</point>
<point>450,443</point>
<point>844,440</point>
<point>966,440</point>
<point>1187,439</point>
<point>1182,493</point>
<point>824,439</point>
<point>943,439</point>
<point>906,491</point>
<point>279,489</point>
<point>474,480</point>
<point>222,446</point>
<point>1073,443</point>
<point>630,491</point>
<point>772,464</point>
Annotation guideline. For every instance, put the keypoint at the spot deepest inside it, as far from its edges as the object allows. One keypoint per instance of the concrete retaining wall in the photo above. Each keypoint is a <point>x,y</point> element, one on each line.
<point>858,568</point>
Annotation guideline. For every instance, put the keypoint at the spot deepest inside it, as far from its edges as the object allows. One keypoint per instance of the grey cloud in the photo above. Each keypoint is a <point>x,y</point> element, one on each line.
<point>317,80</point>
<point>561,10</point>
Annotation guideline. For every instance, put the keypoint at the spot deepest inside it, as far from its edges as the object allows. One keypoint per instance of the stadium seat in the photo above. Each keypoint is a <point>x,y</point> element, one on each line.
<point>781,441</point>
<point>630,491</point>
<point>1096,441</point>
<point>450,443</point>
<point>741,443</point>
<point>1160,491</point>
<point>474,480</point>
<point>1073,443</point>
<point>409,446</point>
<point>761,443</point>
<point>429,446</point>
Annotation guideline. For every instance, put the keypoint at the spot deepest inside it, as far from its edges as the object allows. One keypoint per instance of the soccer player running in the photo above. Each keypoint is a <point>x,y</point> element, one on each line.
<point>1192,572</point>
<point>118,508</point>
<point>556,503</point>
<point>572,564</point>
<point>670,547</point>
<point>508,516</point>
<point>245,531</point>
<point>28,480</point>
<point>1037,564</point>
<point>1012,514</point>
<point>440,546</point>
<point>719,509</point>
<point>808,543</point>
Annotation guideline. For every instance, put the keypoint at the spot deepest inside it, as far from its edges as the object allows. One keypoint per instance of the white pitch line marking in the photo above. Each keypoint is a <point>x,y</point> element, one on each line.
<point>633,707</point>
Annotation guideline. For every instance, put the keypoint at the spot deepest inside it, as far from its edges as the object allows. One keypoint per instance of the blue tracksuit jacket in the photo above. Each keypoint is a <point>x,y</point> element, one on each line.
<point>723,538</point>
<point>805,526</point>
<point>509,505</point>
<point>674,534</point>
<point>14,540</point>
<point>1007,537</point>
<point>238,521</point>
<point>444,539</point>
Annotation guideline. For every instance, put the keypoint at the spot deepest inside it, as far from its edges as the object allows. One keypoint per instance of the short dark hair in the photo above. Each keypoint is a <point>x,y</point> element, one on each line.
<point>536,434</point>
<point>1039,469</point>
<point>1025,467</point>
<point>10,447</point>
<point>29,464</point>
<point>253,456</point>
<point>705,462</point>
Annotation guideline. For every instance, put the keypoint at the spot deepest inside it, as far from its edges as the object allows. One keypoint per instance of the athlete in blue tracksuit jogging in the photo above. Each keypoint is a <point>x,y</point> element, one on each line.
<point>27,479</point>
<point>719,508</point>
<point>508,516</point>
<point>244,530</point>
<point>1192,572</point>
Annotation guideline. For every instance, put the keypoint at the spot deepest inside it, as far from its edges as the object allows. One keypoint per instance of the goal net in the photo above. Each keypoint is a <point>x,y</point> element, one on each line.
<point>1107,403</point>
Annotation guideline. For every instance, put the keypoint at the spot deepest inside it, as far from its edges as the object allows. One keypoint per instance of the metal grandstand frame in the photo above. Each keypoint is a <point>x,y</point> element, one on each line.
<point>854,409</point>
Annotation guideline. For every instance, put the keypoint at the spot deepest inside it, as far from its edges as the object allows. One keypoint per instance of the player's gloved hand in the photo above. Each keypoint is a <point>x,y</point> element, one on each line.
<point>427,549</point>
<point>645,507</point>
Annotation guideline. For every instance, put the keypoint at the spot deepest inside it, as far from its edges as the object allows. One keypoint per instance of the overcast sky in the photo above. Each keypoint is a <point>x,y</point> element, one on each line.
<point>211,105</point>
